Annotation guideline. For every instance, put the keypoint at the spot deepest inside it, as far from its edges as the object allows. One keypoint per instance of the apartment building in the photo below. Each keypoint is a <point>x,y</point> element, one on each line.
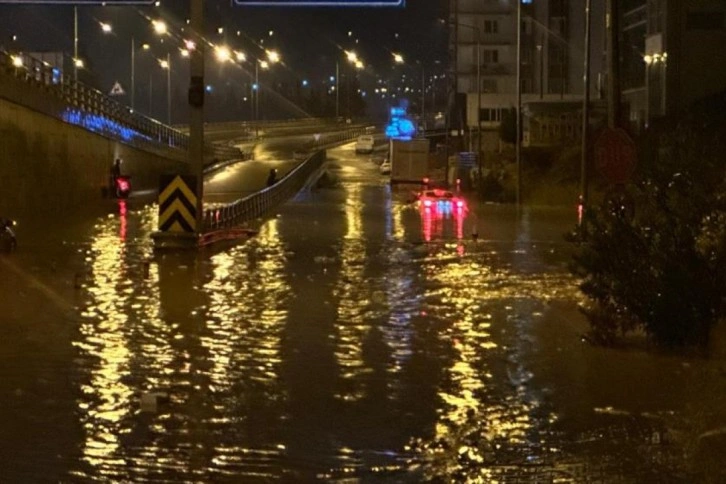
<point>672,54</point>
<point>483,46</point>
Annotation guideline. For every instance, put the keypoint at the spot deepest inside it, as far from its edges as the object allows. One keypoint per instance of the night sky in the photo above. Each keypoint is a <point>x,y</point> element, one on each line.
<point>310,40</point>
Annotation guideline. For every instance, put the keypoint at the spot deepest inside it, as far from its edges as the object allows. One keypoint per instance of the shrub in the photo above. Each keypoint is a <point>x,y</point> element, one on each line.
<point>664,268</point>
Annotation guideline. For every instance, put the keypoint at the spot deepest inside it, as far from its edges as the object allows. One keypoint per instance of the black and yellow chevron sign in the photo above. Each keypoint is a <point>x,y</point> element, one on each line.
<point>178,203</point>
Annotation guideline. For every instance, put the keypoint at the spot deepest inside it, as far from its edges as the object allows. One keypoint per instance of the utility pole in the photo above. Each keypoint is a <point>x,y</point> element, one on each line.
<point>337,90</point>
<point>423,95</point>
<point>585,116</point>
<point>613,56</point>
<point>168,89</point>
<point>478,103</point>
<point>133,71</point>
<point>75,44</point>
<point>196,105</point>
<point>517,142</point>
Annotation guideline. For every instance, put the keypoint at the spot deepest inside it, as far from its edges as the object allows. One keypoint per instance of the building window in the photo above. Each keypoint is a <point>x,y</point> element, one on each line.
<point>705,21</point>
<point>558,25</point>
<point>490,115</point>
<point>490,56</point>
<point>491,27</point>
<point>489,85</point>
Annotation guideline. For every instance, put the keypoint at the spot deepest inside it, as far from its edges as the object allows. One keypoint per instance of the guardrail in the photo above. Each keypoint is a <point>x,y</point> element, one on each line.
<point>251,207</point>
<point>93,110</point>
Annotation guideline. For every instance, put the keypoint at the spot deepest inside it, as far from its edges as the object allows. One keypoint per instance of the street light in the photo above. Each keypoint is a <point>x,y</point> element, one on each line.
<point>398,59</point>
<point>222,53</point>
<point>478,92</point>
<point>166,64</point>
<point>261,63</point>
<point>160,27</point>
<point>240,56</point>
<point>133,69</point>
<point>106,28</point>
<point>273,56</point>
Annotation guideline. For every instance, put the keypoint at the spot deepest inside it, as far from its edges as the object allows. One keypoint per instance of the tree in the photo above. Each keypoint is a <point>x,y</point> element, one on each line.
<point>664,269</point>
<point>508,126</point>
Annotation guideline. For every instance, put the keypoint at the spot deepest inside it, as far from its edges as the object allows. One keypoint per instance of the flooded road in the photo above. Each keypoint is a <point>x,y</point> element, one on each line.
<point>357,338</point>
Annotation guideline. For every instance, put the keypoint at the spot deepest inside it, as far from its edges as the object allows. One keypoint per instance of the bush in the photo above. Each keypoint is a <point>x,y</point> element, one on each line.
<point>663,269</point>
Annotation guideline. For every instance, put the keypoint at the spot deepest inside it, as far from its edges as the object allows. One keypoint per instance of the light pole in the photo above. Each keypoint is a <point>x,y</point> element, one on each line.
<point>166,64</point>
<point>517,141</point>
<point>337,90</point>
<point>477,30</point>
<point>133,70</point>
<point>75,44</point>
<point>585,117</point>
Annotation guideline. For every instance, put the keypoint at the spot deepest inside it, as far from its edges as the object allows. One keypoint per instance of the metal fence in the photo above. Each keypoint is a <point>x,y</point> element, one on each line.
<point>96,111</point>
<point>255,205</point>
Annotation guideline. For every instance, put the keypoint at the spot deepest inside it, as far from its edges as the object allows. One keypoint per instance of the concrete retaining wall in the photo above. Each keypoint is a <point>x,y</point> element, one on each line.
<point>49,164</point>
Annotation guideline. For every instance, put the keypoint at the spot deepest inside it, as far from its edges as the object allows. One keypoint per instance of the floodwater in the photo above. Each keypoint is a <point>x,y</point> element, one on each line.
<point>356,338</point>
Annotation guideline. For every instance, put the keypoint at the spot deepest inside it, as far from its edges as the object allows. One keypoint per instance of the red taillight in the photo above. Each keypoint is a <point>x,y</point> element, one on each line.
<point>123,185</point>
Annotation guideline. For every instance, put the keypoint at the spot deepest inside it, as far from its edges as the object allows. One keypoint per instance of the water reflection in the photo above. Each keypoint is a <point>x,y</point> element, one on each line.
<point>104,339</point>
<point>355,335</point>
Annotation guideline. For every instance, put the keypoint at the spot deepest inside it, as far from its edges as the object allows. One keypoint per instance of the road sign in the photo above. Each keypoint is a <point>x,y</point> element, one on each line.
<point>117,90</point>
<point>320,3</point>
<point>79,2</point>
<point>177,204</point>
<point>615,155</point>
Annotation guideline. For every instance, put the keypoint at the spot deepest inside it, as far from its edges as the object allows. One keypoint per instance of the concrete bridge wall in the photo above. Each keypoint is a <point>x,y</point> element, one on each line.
<point>49,164</point>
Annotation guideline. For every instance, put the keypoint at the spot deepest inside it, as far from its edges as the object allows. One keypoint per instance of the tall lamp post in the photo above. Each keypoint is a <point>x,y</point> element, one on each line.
<point>477,30</point>
<point>133,70</point>
<point>398,59</point>
<point>166,65</point>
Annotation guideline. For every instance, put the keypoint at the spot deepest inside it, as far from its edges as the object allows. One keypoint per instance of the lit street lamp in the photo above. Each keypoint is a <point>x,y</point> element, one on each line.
<point>223,53</point>
<point>166,64</point>
<point>160,27</point>
<point>398,59</point>
<point>133,69</point>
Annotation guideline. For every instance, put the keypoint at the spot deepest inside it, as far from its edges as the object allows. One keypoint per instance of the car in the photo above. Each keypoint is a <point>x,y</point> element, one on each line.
<point>440,200</point>
<point>385,167</point>
<point>364,144</point>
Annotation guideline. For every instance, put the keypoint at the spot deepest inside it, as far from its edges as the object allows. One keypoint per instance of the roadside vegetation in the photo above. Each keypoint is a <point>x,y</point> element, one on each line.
<point>661,268</point>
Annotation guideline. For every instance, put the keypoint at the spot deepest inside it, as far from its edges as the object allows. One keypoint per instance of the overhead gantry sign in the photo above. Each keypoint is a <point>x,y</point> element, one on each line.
<point>319,3</point>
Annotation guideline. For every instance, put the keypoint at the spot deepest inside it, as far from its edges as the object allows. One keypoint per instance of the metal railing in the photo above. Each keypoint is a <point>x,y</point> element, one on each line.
<point>93,110</point>
<point>253,206</point>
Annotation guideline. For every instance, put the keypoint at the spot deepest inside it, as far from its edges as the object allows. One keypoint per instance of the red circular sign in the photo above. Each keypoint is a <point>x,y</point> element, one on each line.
<point>615,155</point>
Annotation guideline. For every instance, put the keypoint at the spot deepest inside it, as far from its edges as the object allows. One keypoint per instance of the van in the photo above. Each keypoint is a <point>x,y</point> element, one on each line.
<point>364,144</point>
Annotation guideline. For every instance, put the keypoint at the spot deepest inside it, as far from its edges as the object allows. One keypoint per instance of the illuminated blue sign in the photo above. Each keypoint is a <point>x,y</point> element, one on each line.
<point>319,3</point>
<point>399,126</point>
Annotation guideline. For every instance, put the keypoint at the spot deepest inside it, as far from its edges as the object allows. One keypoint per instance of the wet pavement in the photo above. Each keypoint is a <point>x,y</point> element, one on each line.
<point>356,338</point>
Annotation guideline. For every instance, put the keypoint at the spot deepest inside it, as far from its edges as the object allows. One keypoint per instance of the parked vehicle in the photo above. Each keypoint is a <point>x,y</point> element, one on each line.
<point>8,240</point>
<point>364,144</point>
<point>385,167</point>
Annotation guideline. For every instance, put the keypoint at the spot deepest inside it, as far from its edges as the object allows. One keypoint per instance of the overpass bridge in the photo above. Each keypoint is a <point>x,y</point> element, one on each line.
<point>59,137</point>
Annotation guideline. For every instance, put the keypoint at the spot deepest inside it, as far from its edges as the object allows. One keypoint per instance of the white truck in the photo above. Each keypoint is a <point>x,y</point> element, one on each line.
<point>409,160</point>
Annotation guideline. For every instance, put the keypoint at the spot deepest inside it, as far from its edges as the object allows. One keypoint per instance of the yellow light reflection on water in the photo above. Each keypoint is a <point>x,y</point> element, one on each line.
<point>103,336</point>
<point>351,328</point>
